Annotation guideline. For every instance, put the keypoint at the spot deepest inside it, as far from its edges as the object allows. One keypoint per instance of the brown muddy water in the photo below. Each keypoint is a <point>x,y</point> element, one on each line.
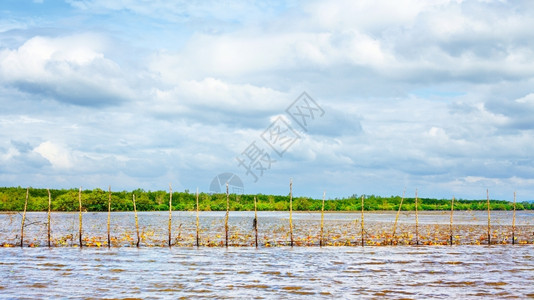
<point>460,272</point>
<point>340,229</point>
<point>274,270</point>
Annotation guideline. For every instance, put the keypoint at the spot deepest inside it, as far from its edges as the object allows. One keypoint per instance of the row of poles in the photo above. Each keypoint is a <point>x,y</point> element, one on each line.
<point>255,222</point>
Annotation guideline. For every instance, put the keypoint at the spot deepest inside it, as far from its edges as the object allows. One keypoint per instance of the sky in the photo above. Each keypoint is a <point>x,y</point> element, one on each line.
<point>343,97</point>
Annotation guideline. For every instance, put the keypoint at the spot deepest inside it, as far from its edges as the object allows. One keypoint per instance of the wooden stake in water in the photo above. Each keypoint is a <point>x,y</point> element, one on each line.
<point>49,209</point>
<point>397,218</point>
<point>322,221</point>
<point>256,221</point>
<point>227,214</point>
<point>489,218</point>
<point>513,224</point>
<point>291,210</point>
<point>363,243</point>
<point>416,221</point>
<point>198,225</point>
<point>170,215</point>
<point>24,218</point>
<point>450,225</point>
<point>109,216</point>
<point>80,215</point>
<point>136,221</point>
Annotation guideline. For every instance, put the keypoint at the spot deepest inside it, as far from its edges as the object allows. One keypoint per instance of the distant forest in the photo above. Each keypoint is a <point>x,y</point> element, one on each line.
<point>12,199</point>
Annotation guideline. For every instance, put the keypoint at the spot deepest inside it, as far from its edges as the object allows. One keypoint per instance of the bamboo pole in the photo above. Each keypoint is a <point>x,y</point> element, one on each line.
<point>397,217</point>
<point>362,223</point>
<point>24,218</point>
<point>170,215</point>
<point>198,225</point>
<point>49,209</point>
<point>109,216</point>
<point>227,214</point>
<point>80,216</point>
<point>513,224</point>
<point>450,225</point>
<point>136,220</point>
<point>489,218</point>
<point>291,210</point>
<point>322,221</point>
<point>416,221</point>
<point>256,220</point>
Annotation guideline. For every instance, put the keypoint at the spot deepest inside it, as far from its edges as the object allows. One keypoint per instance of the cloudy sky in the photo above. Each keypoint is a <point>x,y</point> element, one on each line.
<point>430,95</point>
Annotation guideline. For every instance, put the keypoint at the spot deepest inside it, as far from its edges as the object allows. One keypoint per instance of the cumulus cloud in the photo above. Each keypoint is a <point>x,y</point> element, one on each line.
<point>200,99</point>
<point>58,156</point>
<point>70,69</point>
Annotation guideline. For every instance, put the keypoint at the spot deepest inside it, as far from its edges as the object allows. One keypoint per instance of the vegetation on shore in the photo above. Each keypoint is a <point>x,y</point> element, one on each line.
<point>12,199</point>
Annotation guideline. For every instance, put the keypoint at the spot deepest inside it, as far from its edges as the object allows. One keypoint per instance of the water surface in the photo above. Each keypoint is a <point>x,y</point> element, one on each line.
<point>469,227</point>
<point>422,272</point>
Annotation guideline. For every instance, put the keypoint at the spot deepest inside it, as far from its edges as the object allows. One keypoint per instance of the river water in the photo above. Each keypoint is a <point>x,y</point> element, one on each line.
<point>469,227</point>
<point>468,269</point>
<point>422,272</point>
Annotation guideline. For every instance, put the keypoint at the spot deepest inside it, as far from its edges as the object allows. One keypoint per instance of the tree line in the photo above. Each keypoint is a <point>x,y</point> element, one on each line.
<point>13,198</point>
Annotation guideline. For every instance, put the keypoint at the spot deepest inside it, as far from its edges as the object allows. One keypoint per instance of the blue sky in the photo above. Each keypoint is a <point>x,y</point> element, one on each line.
<point>429,95</point>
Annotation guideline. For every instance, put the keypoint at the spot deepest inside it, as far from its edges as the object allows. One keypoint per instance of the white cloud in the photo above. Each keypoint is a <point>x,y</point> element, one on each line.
<point>70,69</point>
<point>528,99</point>
<point>211,93</point>
<point>414,41</point>
<point>59,156</point>
<point>247,54</point>
<point>31,59</point>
